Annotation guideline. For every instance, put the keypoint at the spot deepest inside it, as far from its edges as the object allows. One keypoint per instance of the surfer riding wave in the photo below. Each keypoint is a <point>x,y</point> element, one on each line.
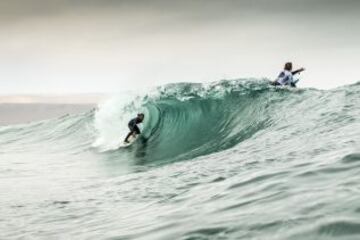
<point>134,129</point>
<point>286,77</point>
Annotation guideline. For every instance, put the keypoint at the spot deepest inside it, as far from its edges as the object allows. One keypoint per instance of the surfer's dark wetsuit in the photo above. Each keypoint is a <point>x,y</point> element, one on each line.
<point>133,127</point>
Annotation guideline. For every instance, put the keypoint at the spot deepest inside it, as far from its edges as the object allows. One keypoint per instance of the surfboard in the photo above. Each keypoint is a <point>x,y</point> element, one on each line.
<point>131,140</point>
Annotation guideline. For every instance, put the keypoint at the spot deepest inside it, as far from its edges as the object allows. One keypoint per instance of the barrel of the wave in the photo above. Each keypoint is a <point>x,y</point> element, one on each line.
<point>186,121</point>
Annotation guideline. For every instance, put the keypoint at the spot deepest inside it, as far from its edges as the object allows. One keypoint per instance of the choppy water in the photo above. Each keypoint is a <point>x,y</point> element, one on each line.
<point>229,160</point>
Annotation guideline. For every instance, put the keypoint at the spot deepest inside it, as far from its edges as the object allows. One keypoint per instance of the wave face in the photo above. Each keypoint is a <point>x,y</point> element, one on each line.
<point>186,120</point>
<point>228,160</point>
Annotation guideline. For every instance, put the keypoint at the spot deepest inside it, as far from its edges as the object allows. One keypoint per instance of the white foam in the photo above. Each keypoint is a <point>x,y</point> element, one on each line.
<point>112,117</point>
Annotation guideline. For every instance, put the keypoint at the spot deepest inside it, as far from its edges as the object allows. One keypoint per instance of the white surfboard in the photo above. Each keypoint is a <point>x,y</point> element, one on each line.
<point>131,140</point>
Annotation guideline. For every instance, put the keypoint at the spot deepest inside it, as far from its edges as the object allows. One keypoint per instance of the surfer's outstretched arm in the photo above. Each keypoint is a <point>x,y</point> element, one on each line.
<point>298,71</point>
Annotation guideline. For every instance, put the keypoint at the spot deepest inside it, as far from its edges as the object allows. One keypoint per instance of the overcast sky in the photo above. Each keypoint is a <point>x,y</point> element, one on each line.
<point>74,46</point>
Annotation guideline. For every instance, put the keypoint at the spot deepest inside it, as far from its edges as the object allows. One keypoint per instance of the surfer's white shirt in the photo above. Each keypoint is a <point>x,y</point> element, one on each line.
<point>285,77</point>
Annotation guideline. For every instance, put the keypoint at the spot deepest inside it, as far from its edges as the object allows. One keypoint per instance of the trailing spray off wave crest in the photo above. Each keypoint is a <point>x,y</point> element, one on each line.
<point>186,120</point>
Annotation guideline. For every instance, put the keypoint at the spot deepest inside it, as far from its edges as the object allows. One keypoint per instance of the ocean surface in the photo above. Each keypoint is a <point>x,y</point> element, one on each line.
<point>227,160</point>
<point>17,113</point>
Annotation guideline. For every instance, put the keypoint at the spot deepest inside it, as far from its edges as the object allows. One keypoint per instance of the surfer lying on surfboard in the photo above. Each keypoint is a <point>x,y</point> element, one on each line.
<point>286,78</point>
<point>134,129</point>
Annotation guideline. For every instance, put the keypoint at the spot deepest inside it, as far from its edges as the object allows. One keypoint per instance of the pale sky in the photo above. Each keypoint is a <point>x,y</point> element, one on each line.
<point>80,46</point>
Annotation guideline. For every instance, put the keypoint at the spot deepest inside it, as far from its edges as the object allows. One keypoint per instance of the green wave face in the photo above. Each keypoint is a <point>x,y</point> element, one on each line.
<point>186,120</point>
